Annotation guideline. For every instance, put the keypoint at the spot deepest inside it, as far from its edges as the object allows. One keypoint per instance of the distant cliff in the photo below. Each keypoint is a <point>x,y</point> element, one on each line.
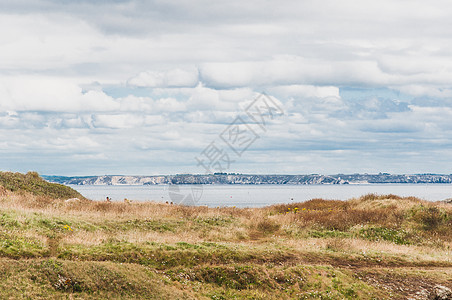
<point>223,178</point>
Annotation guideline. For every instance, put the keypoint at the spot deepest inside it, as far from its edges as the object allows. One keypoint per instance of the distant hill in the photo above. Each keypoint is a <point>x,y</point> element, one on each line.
<point>33,183</point>
<point>223,178</point>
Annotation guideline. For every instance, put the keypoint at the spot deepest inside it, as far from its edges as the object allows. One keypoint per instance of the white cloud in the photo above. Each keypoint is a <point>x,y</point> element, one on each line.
<point>38,42</point>
<point>155,82</point>
<point>428,91</point>
<point>293,70</point>
<point>305,91</point>
<point>169,105</point>
<point>26,93</point>
<point>170,78</point>
<point>117,121</point>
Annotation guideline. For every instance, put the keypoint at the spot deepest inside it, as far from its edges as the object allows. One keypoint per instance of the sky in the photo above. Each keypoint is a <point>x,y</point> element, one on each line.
<point>136,87</point>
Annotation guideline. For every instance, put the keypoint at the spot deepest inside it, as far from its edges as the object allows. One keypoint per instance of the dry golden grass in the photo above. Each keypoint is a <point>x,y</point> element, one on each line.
<point>366,232</point>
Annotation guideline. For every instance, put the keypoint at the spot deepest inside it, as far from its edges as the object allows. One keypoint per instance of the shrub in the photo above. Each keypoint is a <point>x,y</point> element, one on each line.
<point>399,237</point>
<point>314,204</point>
<point>429,218</point>
<point>344,220</point>
<point>267,226</point>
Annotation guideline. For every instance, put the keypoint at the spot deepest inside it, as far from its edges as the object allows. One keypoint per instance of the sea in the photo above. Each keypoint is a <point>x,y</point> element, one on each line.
<point>256,195</point>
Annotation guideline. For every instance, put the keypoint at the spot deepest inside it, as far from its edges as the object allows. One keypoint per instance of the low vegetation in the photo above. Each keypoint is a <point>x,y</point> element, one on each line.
<point>373,247</point>
<point>32,183</point>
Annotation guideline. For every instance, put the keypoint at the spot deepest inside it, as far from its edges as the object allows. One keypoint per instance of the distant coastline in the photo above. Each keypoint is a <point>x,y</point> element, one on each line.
<point>243,179</point>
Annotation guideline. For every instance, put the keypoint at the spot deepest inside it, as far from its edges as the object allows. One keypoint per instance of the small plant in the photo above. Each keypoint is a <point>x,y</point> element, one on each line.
<point>67,227</point>
<point>336,244</point>
<point>329,234</point>
<point>214,221</point>
<point>67,284</point>
<point>267,226</point>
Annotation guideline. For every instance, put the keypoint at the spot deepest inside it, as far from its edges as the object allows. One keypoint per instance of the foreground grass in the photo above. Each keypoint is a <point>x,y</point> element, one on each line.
<point>374,247</point>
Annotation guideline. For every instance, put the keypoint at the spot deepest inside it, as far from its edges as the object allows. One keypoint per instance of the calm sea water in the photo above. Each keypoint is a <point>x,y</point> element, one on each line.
<point>258,195</point>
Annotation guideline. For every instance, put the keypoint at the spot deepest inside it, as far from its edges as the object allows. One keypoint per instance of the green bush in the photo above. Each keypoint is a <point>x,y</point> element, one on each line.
<point>399,237</point>
<point>429,218</point>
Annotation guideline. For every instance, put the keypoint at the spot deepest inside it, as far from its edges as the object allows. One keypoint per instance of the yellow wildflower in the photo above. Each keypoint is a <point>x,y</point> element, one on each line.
<point>68,227</point>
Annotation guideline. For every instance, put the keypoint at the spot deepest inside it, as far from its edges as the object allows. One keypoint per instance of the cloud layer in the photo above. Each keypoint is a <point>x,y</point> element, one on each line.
<point>142,87</point>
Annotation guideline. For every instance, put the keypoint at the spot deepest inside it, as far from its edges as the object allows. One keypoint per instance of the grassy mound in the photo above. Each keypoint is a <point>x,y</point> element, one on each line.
<point>373,247</point>
<point>34,184</point>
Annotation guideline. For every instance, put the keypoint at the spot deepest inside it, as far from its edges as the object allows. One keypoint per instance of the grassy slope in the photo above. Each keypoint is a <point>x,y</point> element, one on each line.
<point>375,247</point>
<point>34,184</point>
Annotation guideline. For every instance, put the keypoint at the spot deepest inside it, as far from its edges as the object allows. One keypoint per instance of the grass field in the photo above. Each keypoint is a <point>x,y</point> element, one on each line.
<point>374,247</point>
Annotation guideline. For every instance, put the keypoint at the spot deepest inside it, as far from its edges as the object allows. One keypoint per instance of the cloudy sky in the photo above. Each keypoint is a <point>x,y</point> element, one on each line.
<point>144,87</point>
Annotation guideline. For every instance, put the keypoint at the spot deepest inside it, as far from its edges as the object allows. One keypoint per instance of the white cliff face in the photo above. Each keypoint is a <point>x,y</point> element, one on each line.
<point>115,180</point>
<point>153,180</point>
<point>253,179</point>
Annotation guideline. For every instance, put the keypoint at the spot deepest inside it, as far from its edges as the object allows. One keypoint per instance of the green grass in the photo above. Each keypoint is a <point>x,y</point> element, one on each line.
<point>329,234</point>
<point>34,184</point>
<point>430,218</point>
<point>355,249</point>
<point>17,246</point>
<point>399,237</point>
<point>214,221</point>
<point>163,256</point>
<point>58,279</point>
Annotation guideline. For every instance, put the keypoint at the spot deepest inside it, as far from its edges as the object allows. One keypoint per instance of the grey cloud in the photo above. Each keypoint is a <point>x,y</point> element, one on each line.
<point>131,16</point>
<point>91,84</point>
<point>392,127</point>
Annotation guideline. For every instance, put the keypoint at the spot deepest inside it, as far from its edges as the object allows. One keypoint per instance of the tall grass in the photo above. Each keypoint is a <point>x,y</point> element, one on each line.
<point>220,253</point>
